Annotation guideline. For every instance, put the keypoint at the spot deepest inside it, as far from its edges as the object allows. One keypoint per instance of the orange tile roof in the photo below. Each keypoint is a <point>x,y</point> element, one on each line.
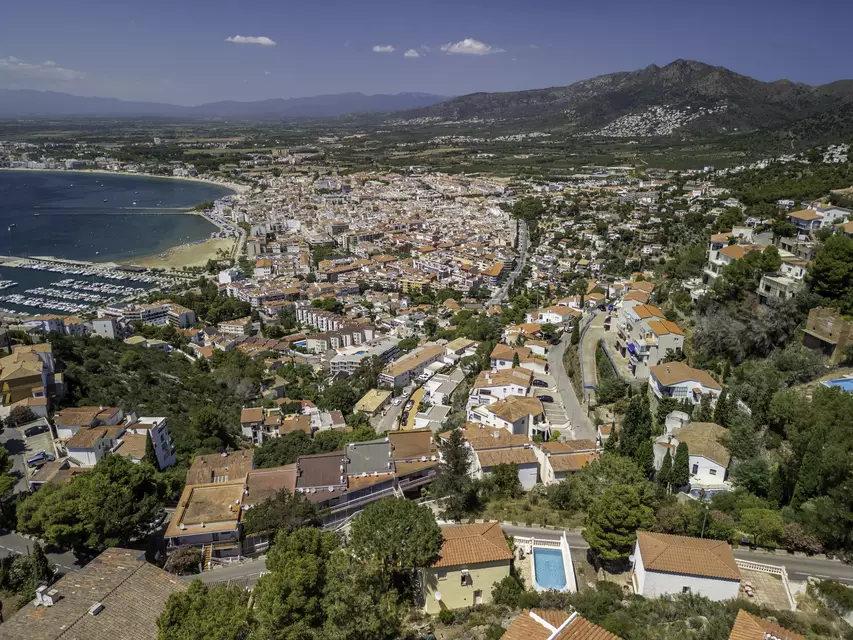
<point>572,461</point>
<point>467,544</point>
<point>494,457</point>
<point>640,296</point>
<point>495,270</point>
<point>805,214</point>
<point>514,408</point>
<point>689,556</point>
<point>531,625</point>
<point>750,627</point>
<point>672,373</point>
<point>665,327</point>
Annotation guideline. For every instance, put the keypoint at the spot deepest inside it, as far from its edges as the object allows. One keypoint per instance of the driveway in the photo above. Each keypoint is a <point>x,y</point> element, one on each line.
<point>582,427</point>
<point>589,342</point>
<point>20,448</point>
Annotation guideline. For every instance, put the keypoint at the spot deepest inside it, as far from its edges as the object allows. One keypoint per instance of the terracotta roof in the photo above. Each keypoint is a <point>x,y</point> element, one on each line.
<point>295,423</point>
<point>254,414</point>
<point>505,352</point>
<point>531,625</point>
<point>572,461</point>
<point>493,457</point>
<point>514,408</point>
<point>643,311</point>
<point>482,437</point>
<point>643,285</point>
<point>672,373</point>
<point>132,446</point>
<point>688,556</point>
<point>86,438</point>
<point>262,484</point>
<point>640,296</point>
<point>417,443</point>
<point>664,327</point>
<point>467,544</point>
<point>503,377</point>
<point>750,627</point>
<point>83,416</point>
<point>706,439</point>
<point>207,508</point>
<point>567,446</point>
<point>321,470</point>
<point>132,592</point>
<point>805,214</point>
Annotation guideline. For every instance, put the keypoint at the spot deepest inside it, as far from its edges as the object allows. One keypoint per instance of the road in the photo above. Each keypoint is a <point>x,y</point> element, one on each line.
<point>589,343</point>
<point>15,443</point>
<point>582,427</point>
<point>523,241</point>
<point>798,568</point>
<point>14,544</point>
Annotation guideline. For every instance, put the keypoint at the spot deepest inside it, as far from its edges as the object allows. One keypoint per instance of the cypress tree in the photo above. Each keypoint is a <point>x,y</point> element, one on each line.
<point>516,361</point>
<point>810,477</point>
<point>721,409</point>
<point>680,474</point>
<point>645,457</point>
<point>664,476</point>
<point>150,454</point>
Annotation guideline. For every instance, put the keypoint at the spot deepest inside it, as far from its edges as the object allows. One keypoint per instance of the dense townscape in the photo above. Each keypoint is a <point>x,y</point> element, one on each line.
<point>391,401</point>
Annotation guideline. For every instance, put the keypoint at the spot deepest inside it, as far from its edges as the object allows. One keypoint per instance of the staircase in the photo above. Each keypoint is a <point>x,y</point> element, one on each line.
<point>206,554</point>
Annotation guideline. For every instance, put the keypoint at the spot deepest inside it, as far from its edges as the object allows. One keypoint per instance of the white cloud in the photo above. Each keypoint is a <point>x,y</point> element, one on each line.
<point>383,48</point>
<point>426,48</point>
<point>261,40</point>
<point>412,53</point>
<point>534,46</point>
<point>47,70</point>
<point>471,47</point>
<point>267,73</point>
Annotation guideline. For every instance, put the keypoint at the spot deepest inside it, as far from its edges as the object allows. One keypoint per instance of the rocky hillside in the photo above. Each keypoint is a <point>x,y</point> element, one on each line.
<point>682,97</point>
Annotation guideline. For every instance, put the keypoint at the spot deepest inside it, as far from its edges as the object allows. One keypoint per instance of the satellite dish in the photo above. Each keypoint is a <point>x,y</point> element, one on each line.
<point>438,596</point>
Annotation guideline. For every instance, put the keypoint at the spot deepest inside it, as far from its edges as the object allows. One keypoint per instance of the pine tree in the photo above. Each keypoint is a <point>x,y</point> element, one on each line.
<point>810,477</point>
<point>664,476</point>
<point>611,445</point>
<point>452,480</point>
<point>150,454</point>
<point>516,361</point>
<point>680,474</point>
<point>576,331</point>
<point>704,412</point>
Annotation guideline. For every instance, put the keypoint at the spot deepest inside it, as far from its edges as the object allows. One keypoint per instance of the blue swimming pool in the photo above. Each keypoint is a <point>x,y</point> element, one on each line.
<point>549,568</point>
<point>845,384</point>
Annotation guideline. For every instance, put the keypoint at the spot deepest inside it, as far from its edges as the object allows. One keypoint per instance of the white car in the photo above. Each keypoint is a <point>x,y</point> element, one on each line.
<point>396,401</point>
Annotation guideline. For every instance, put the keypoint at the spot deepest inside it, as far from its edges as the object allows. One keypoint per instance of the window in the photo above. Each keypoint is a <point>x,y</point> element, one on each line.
<point>478,597</point>
<point>695,469</point>
<point>713,472</point>
<point>685,589</point>
<point>442,574</point>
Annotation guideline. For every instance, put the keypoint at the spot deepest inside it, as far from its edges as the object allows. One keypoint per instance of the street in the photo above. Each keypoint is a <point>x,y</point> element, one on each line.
<point>582,427</point>
<point>589,344</point>
<point>523,240</point>
<point>798,568</point>
<point>14,544</point>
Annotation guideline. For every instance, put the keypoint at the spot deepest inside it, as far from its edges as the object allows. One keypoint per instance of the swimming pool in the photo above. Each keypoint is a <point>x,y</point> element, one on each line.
<point>549,569</point>
<point>845,384</point>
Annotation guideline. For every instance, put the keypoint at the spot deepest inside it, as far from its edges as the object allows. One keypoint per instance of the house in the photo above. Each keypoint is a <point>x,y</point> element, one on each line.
<point>208,515</point>
<point>518,415</point>
<point>491,386</point>
<point>558,460</point>
<point>539,624</point>
<point>89,446</point>
<point>503,356</point>
<point>709,456</point>
<point>524,458</point>
<point>220,467</point>
<point>665,564</point>
<point>26,373</point>
<point>156,429</point>
<point>116,595</point>
<point>373,402</point>
<point>69,421</point>
<point>239,327</point>
<point>750,627</point>
<point>827,331</point>
<point>403,370</point>
<point>679,381</point>
<point>806,221</point>
<point>559,315</point>
<point>473,558</point>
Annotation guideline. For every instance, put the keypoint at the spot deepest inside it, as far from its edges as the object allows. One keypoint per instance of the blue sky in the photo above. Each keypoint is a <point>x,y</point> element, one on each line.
<point>178,50</point>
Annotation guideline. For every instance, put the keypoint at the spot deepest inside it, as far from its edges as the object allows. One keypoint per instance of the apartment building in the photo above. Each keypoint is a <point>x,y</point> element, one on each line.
<point>492,386</point>
<point>349,358</point>
<point>403,370</point>
<point>503,357</point>
<point>239,327</point>
<point>157,314</point>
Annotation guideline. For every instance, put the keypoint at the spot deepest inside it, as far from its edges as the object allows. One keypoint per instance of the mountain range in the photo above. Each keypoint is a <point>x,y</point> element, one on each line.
<point>40,104</point>
<point>728,100</point>
<point>684,97</point>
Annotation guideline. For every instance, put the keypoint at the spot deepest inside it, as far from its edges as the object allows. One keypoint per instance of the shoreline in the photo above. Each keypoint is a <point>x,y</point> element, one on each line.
<point>232,186</point>
<point>174,258</point>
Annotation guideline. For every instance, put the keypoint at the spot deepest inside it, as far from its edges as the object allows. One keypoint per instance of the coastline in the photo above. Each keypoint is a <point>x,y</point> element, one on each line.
<point>193,254</point>
<point>232,186</point>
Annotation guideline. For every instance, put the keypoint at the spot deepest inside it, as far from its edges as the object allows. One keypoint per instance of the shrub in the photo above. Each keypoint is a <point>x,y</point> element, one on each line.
<point>446,616</point>
<point>184,561</point>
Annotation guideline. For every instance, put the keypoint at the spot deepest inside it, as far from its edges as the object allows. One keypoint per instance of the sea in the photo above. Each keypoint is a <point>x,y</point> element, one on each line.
<point>99,217</point>
<point>63,214</point>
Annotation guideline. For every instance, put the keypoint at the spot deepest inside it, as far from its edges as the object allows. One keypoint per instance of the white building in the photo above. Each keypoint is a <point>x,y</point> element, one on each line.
<point>709,457</point>
<point>679,381</point>
<point>664,564</point>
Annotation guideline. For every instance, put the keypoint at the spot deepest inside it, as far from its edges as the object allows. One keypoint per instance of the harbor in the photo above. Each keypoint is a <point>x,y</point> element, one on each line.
<point>31,286</point>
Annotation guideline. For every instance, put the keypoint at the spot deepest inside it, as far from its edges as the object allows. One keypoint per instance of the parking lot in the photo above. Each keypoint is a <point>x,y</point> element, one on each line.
<point>20,448</point>
<point>552,402</point>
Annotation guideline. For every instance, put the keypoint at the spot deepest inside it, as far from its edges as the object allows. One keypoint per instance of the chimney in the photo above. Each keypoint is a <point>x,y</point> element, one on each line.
<point>96,608</point>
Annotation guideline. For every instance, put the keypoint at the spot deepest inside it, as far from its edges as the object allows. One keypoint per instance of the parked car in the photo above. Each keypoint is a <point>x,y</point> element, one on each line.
<point>34,431</point>
<point>540,383</point>
<point>546,399</point>
<point>396,401</point>
<point>40,458</point>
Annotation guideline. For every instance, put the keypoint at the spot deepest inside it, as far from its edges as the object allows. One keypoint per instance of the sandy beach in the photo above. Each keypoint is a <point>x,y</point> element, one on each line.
<point>187,255</point>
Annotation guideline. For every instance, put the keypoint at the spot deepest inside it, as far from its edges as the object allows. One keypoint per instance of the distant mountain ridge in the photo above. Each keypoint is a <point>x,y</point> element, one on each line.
<point>35,104</point>
<point>736,102</point>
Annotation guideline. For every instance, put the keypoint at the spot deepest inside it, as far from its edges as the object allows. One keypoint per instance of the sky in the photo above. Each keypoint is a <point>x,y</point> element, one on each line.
<point>191,52</point>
